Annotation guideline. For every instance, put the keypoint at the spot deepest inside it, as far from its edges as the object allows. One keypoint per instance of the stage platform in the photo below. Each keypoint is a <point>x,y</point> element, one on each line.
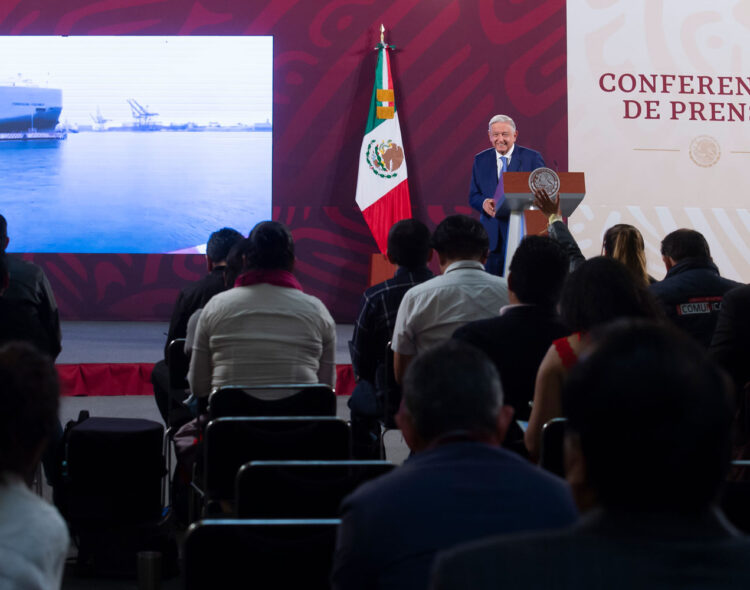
<point>116,358</point>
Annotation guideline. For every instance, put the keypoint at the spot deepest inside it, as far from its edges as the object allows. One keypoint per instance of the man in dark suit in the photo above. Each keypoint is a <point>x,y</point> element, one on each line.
<point>191,298</point>
<point>503,156</point>
<point>517,339</point>
<point>648,448</point>
<point>458,486</point>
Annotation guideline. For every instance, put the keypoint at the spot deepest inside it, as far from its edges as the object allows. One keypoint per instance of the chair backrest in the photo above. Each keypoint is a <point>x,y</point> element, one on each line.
<point>300,489</point>
<point>310,399</point>
<point>178,363</point>
<point>231,442</point>
<point>259,554</point>
<point>551,453</point>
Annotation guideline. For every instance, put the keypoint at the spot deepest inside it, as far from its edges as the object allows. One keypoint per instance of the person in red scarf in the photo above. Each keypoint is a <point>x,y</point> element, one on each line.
<point>265,330</point>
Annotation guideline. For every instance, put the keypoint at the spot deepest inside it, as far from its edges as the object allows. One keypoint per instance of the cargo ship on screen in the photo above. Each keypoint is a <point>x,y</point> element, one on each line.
<point>28,112</point>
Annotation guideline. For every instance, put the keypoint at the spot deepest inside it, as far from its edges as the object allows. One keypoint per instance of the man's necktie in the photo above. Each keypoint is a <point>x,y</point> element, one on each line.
<point>504,160</point>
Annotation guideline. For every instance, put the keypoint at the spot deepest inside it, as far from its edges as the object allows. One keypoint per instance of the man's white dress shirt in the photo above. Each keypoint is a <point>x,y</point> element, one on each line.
<point>432,311</point>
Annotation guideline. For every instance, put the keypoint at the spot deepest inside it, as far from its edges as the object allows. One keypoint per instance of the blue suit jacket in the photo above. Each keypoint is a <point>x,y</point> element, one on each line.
<point>484,184</point>
<point>393,526</point>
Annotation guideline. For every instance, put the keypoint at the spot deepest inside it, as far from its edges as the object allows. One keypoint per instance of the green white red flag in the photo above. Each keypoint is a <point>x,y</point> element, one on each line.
<point>382,188</point>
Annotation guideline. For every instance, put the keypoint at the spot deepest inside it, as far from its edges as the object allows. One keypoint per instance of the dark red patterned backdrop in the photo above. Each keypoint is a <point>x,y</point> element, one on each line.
<point>456,64</point>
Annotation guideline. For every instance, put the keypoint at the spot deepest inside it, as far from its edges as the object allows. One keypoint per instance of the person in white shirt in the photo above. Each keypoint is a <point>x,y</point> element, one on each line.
<point>464,292</point>
<point>33,536</point>
<point>265,330</point>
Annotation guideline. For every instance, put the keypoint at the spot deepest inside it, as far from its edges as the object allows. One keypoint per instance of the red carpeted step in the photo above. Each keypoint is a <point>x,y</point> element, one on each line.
<point>135,379</point>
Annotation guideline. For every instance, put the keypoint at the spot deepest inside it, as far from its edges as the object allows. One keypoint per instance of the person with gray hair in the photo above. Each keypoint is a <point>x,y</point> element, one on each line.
<point>504,156</point>
<point>458,485</point>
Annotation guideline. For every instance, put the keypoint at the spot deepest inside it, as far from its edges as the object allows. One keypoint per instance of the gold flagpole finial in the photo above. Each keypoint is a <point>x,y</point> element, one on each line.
<point>382,31</point>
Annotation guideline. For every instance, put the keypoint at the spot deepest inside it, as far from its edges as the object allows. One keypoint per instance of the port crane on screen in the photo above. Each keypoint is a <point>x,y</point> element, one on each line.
<point>141,115</point>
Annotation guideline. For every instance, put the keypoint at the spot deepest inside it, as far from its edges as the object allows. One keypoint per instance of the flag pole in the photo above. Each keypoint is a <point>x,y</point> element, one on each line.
<point>382,189</point>
<point>382,44</point>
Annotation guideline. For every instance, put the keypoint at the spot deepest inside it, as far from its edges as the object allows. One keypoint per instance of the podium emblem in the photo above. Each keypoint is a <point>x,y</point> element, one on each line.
<point>545,178</point>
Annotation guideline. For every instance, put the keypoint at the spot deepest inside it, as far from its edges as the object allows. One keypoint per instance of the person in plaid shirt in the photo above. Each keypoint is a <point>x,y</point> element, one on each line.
<point>409,249</point>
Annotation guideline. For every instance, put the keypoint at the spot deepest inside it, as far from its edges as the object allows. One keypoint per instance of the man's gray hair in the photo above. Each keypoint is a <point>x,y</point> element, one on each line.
<point>452,387</point>
<point>501,119</point>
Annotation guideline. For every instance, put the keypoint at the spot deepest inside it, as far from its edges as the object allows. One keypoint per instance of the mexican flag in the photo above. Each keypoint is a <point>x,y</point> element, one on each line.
<point>382,188</point>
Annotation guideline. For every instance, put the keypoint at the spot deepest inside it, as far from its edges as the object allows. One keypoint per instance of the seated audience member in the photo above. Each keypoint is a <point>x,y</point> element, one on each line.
<point>458,486</point>
<point>730,345</point>
<point>622,241</point>
<point>190,299</point>
<point>730,349</point>
<point>409,249</point>
<point>600,290</point>
<point>33,535</point>
<point>265,330</point>
<point>648,438</point>
<point>235,263</point>
<point>28,284</point>
<point>692,290</point>
<point>19,320</point>
<point>430,312</point>
<point>517,340</point>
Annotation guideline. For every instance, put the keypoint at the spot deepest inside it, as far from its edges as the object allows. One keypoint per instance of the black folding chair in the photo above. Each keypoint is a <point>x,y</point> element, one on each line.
<point>551,453</point>
<point>229,443</point>
<point>259,554</point>
<point>310,399</point>
<point>178,363</point>
<point>300,489</point>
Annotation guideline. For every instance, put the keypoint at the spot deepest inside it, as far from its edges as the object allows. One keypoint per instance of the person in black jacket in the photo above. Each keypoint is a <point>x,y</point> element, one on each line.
<point>19,320</point>
<point>29,288</point>
<point>517,339</point>
<point>190,299</point>
<point>692,290</point>
<point>730,346</point>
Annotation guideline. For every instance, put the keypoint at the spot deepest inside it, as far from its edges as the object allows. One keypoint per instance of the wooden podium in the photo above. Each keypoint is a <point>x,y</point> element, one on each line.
<point>519,198</point>
<point>523,221</point>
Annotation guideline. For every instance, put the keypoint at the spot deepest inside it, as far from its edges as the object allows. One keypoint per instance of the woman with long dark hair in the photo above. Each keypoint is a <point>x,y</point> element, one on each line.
<point>600,290</point>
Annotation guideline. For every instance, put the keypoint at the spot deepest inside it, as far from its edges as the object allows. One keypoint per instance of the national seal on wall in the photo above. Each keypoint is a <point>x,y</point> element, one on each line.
<point>705,151</point>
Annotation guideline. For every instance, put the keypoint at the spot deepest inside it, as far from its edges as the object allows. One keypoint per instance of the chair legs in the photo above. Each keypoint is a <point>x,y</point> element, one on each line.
<point>367,441</point>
